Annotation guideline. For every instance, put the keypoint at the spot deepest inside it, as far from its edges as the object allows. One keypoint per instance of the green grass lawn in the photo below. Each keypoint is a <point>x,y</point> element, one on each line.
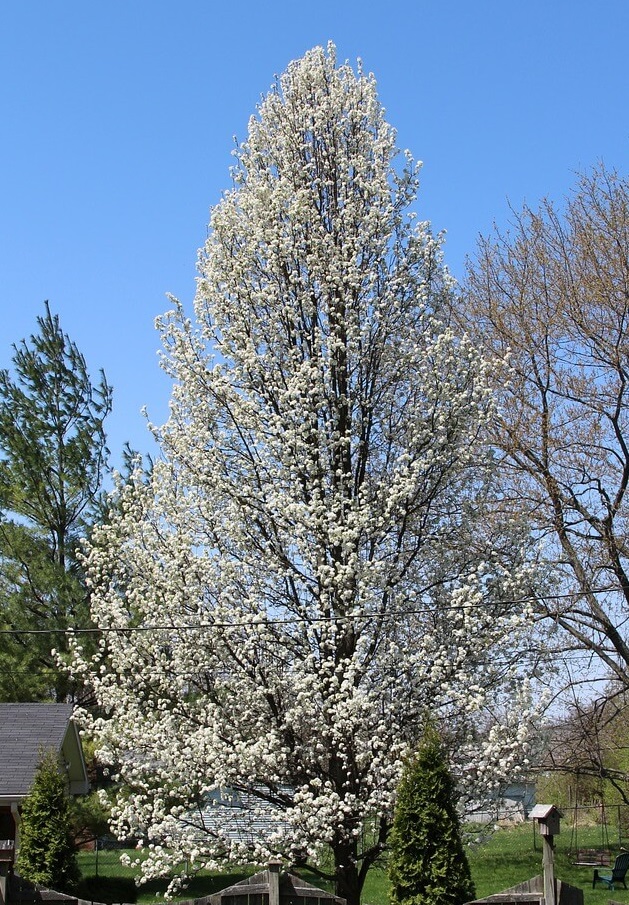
<point>511,856</point>
<point>504,858</point>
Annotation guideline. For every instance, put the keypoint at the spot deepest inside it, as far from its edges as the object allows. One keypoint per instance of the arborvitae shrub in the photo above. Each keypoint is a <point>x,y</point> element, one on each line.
<point>428,864</point>
<point>47,855</point>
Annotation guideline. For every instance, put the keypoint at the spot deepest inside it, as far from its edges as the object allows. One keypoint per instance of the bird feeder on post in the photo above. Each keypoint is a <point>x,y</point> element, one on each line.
<point>547,817</point>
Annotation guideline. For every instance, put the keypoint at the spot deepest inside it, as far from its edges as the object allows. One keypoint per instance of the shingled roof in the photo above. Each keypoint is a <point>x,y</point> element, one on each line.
<point>27,730</point>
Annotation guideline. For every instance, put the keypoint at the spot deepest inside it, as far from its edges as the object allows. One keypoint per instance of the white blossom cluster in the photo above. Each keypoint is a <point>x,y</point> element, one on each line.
<point>305,575</point>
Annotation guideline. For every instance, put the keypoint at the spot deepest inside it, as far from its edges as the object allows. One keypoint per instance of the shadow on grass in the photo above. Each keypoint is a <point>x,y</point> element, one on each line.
<point>107,889</point>
<point>203,884</point>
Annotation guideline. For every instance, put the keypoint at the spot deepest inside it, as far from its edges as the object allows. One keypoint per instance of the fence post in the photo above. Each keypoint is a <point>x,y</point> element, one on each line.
<point>274,882</point>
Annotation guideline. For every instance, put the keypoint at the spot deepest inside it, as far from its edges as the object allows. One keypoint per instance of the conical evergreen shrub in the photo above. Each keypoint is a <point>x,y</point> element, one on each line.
<point>46,854</point>
<point>428,864</point>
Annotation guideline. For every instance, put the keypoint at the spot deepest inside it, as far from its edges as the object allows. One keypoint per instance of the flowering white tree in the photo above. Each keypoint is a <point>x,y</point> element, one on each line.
<point>307,572</point>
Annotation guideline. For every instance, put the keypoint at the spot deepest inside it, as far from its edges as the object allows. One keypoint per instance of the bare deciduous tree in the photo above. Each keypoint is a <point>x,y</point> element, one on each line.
<point>550,299</point>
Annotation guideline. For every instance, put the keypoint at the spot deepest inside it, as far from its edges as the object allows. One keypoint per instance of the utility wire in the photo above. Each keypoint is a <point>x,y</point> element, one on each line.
<point>266,622</point>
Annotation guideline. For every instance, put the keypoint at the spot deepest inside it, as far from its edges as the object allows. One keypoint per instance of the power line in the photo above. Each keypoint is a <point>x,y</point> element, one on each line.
<point>266,622</point>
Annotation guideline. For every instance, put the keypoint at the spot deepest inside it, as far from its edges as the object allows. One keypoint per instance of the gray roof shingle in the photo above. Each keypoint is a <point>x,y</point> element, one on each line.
<point>26,730</point>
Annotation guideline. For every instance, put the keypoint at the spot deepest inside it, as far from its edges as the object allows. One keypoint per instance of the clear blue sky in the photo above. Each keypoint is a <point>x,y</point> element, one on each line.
<point>118,120</point>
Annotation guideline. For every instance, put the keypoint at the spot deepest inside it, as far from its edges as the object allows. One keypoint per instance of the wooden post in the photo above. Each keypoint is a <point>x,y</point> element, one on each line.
<point>547,817</point>
<point>548,863</point>
<point>274,882</point>
<point>7,852</point>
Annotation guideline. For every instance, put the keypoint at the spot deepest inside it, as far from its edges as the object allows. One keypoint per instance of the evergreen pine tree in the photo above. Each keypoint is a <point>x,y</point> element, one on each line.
<point>428,864</point>
<point>47,855</point>
<point>53,457</point>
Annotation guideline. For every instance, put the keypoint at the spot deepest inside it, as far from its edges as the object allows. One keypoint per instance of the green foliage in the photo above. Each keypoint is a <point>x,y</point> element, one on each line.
<point>47,855</point>
<point>90,814</point>
<point>428,864</point>
<point>89,818</point>
<point>52,458</point>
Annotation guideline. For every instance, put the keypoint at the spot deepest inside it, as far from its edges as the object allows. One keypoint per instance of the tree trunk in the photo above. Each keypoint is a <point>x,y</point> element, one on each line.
<point>348,883</point>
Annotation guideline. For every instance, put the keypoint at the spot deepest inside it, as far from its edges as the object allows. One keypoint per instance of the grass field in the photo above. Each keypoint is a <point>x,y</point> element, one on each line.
<point>504,858</point>
<point>511,856</point>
